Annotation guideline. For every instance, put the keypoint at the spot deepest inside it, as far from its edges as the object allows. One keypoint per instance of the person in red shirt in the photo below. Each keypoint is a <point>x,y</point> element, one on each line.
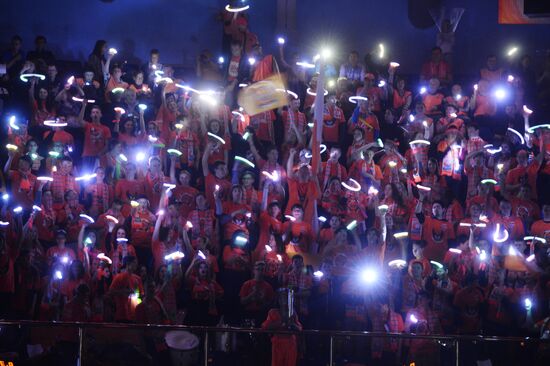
<point>217,181</point>
<point>436,232</point>
<point>436,68</point>
<point>293,119</point>
<point>256,295</point>
<point>125,289</point>
<point>60,253</point>
<point>128,188</point>
<point>541,228</point>
<point>507,221</point>
<point>23,182</point>
<point>482,102</point>
<point>96,135</point>
<point>433,99</point>
<point>299,233</point>
<point>284,351</point>
<point>333,118</point>
<point>154,182</point>
<point>184,194</point>
<point>262,124</point>
<point>205,294</point>
<point>332,168</point>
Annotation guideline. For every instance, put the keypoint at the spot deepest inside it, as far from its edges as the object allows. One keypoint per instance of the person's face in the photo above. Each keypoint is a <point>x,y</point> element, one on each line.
<point>522,158</point>
<point>203,269</point>
<point>88,76</point>
<point>130,96</point>
<point>419,109</point>
<point>368,156</point>
<point>155,165</point>
<point>357,135</point>
<point>437,210</point>
<point>298,263</point>
<point>60,240</point>
<point>130,170</point>
<point>95,114</point>
<point>295,104</point>
<point>52,71</point>
<point>432,167</point>
<point>42,94</point>
<point>418,251</point>
<point>275,210</point>
<point>492,63</point>
<point>24,166</point>
<point>72,198</point>
<point>214,126</point>
<point>298,213</point>
<point>128,126</point>
<point>117,73</point>
<point>401,84</point>
<point>433,85</point>
<point>220,171</point>
<point>273,155</point>
<point>388,116</point>
<point>152,129</point>
<point>100,174</point>
<point>248,180</point>
<point>116,208</point>
<point>200,200</point>
<point>139,78</point>
<point>16,44</point>
<point>143,205</point>
<point>510,110</point>
<point>66,167</point>
<point>334,222</point>
<point>353,58</point>
<point>120,233</point>
<point>155,58</point>
<point>185,178</point>
<point>236,194</point>
<point>457,89</point>
<point>387,191</point>
<point>524,191</point>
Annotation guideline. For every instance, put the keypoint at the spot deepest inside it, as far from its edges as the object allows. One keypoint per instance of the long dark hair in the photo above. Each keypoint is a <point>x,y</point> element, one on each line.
<point>99,44</point>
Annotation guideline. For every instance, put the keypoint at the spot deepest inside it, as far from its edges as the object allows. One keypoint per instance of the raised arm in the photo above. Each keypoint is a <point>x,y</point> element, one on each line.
<point>290,163</point>
<point>205,170</point>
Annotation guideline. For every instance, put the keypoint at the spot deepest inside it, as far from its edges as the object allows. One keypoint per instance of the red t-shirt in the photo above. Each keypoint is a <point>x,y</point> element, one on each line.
<point>266,294</point>
<point>96,138</point>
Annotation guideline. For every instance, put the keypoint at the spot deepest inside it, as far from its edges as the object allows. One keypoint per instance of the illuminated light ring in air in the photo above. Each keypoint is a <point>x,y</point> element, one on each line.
<point>174,152</point>
<point>534,238</point>
<point>309,155</point>
<point>500,239</point>
<point>515,132</point>
<point>532,129</point>
<point>86,217</point>
<point>11,147</point>
<point>419,142</point>
<point>274,176</point>
<point>54,123</point>
<point>245,161</point>
<point>489,181</point>
<point>45,179</point>
<point>76,99</point>
<point>401,235</point>
<point>311,92</point>
<point>356,187</point>
<point>103,257</point>
<point>289,92</point>
<point>230,9</point>
<point>437,264</point>
<point>527,110</point>
<point>456,251</point>
<point>216,137</point>
<point>111,218</point>
<point>238,114</point>
<point>118,90</point>
<point>353,99</point>
<point>305,65</point>
<point>423,188</point>
<point>25,77</point>
<point>352,225</point>
<point>397,263</point>
<point>12,123</point>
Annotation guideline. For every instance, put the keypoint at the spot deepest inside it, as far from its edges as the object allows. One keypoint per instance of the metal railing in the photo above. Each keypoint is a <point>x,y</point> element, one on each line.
<point>83,328</point>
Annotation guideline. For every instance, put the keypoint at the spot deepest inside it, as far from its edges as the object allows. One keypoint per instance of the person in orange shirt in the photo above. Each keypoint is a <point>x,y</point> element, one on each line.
<point>436,232</point>
<point>436,68</point>
<point>491,72</point>
<point>482,102</point>
<point>333,118</point>
<point>299,233</point>
<point>205,294</point>
<point>256,295</point>
<point>433,99</point>
<point>125,289</point>
<point>366,171</point>
<point>115,81</point>
<point>364,118</point>
<point>512,224</point>
<point>303,185</point>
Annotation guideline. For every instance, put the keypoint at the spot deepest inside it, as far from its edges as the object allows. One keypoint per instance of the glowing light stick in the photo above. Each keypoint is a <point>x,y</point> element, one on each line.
<point>243,85</point>
<point>5,196</point>
<point>475,86</point>
<point>369,275</point>
<point>188,225</point>
<point>355,98</point>
<point>122,157</point>
<point>419,142</point>
<point>122,240</point>
<point>36,208</point>
<point>488,181</point>
<point>534,238</point>
<point>70,80</point>
<point>45,179</point>
<point>86,177</point>
<point>240,240</point>
<point>528,303</point>
<point>174,256</point>
<point>510,78</point>
<point>318,274</point>
<point>134,203</point>
<point>221,60</point>
<point>500,166</point>
<point>322,219</point>
<point>394,64</point>
<point>289,92</point>
<point>142,106</point>
<point>18,209</point>
<point>437,264</point>
<point>372,190</point>
<point>25,77</point>
<point>526,110</point>
<point>11,147</point>
<point>354,186</point>
<point>281,40</point>
<point>112,51</point>
<point>512,51</point>
<point>120,110</point>
<point>352,225</point>
<point>455,251</point>
<point>311,92</point>
<point>425,123</point>
<point>453,115</point>
<point>169,186</point>
<point>251,61</point>
<point>13,124</point>
<point>230,9</point>
<point>117,90</point>
<point>383,207</point>
<point>76,99</point>
<point>111,218</point>
<point>217,187</point>
<point>279,258</point>
<point>140,156</point>
<point>310,125</point>
<point>423,90</point>
<point>174,152</point>
<point>291,218</point>
<point>65,260</point>
<point>214,136</point>
<point>201,255</point>
<point>381,83</point>
<point>245,161</point>
<point>411,118</point>
<point>4,223</point>
<point>58,275</point>
<point>532,129</point>
<point>56,123</point>
<point>246,135</point>
<point>382,50</point>
<point>423,188</point>
<point>86,217</point>
<point>515,132</point>
<point>268,248</point>
<point>152,138</point>
<point>179,126</point>
<point>530,258</point>
<point>392,164</point>
<point>498,238</point>
<point>401,235</point>
<point>413,319</point>
<point>494,151</point>
<point>103,257</point>
<point>397,263</point>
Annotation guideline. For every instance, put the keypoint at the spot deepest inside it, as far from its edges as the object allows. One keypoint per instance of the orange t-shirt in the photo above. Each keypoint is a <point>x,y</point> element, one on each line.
<point>96,138</point>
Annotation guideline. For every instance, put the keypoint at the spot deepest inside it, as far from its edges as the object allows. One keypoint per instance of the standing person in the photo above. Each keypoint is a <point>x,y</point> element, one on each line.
<point>353,70</point>
<point>284,351</point>
<point>125,289</point>
<point>14,57</point>
<point>96,136</point>
<point>437,68</point>
<point>256,295</point>
<point>98,63</point>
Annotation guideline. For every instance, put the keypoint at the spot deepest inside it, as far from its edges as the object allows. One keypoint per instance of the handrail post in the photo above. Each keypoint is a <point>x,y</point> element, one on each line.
<point>331,351</point>
<point>457,352</point>
<point>80,345</point>
<point>206,348</point>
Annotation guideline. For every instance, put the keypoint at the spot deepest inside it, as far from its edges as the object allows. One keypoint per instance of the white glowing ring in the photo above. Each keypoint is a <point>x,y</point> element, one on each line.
<point>535,238</point>
<point>76,99</point>
<point>103,257</point>
<point>532,129</point>
<point>52,123</point>
<point>494,151</point>
<point>465,224</point>
<point>527,110</point>
<point>291,218</point>
<point>86,177</point>
<point>25,77</point>
<point>243,85</point>
<point>142,106</point>
<point>236,10</point>
<point>36,208</point>
<point>86,217</point>
<point>437,264</point>
<point>322,219</point>
<point>111,218</point>
<point>456,251</point>
<point>122,240</point>
<point>201,254</point>
<point>169,186</point>
<point>245,161</point>
<point>500,239</point>
<point>120,110</point>
<point>45,179</point>
<point>4,223</point>
<point>397,263</point>
<point>530,258</point>
<point>356,187</point>
<point>419,142</point>
<point>355,98</point>
<point>13,124</point>
<point>517,134</point>
<point>305,65</point>
<point>118,90</point>
<point>238,114</point>
<point>289,92</point>
<point>11,147</point>
<point>174,256</point>
<point>401,235</point>
<point>188,88</point>
<point>352,225</point>
<point>489,181</point>
<point>383,207</point>
<point>216,137</point>
<point>310,92</point>
<point>174,151</point>
<point>423,188</point>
